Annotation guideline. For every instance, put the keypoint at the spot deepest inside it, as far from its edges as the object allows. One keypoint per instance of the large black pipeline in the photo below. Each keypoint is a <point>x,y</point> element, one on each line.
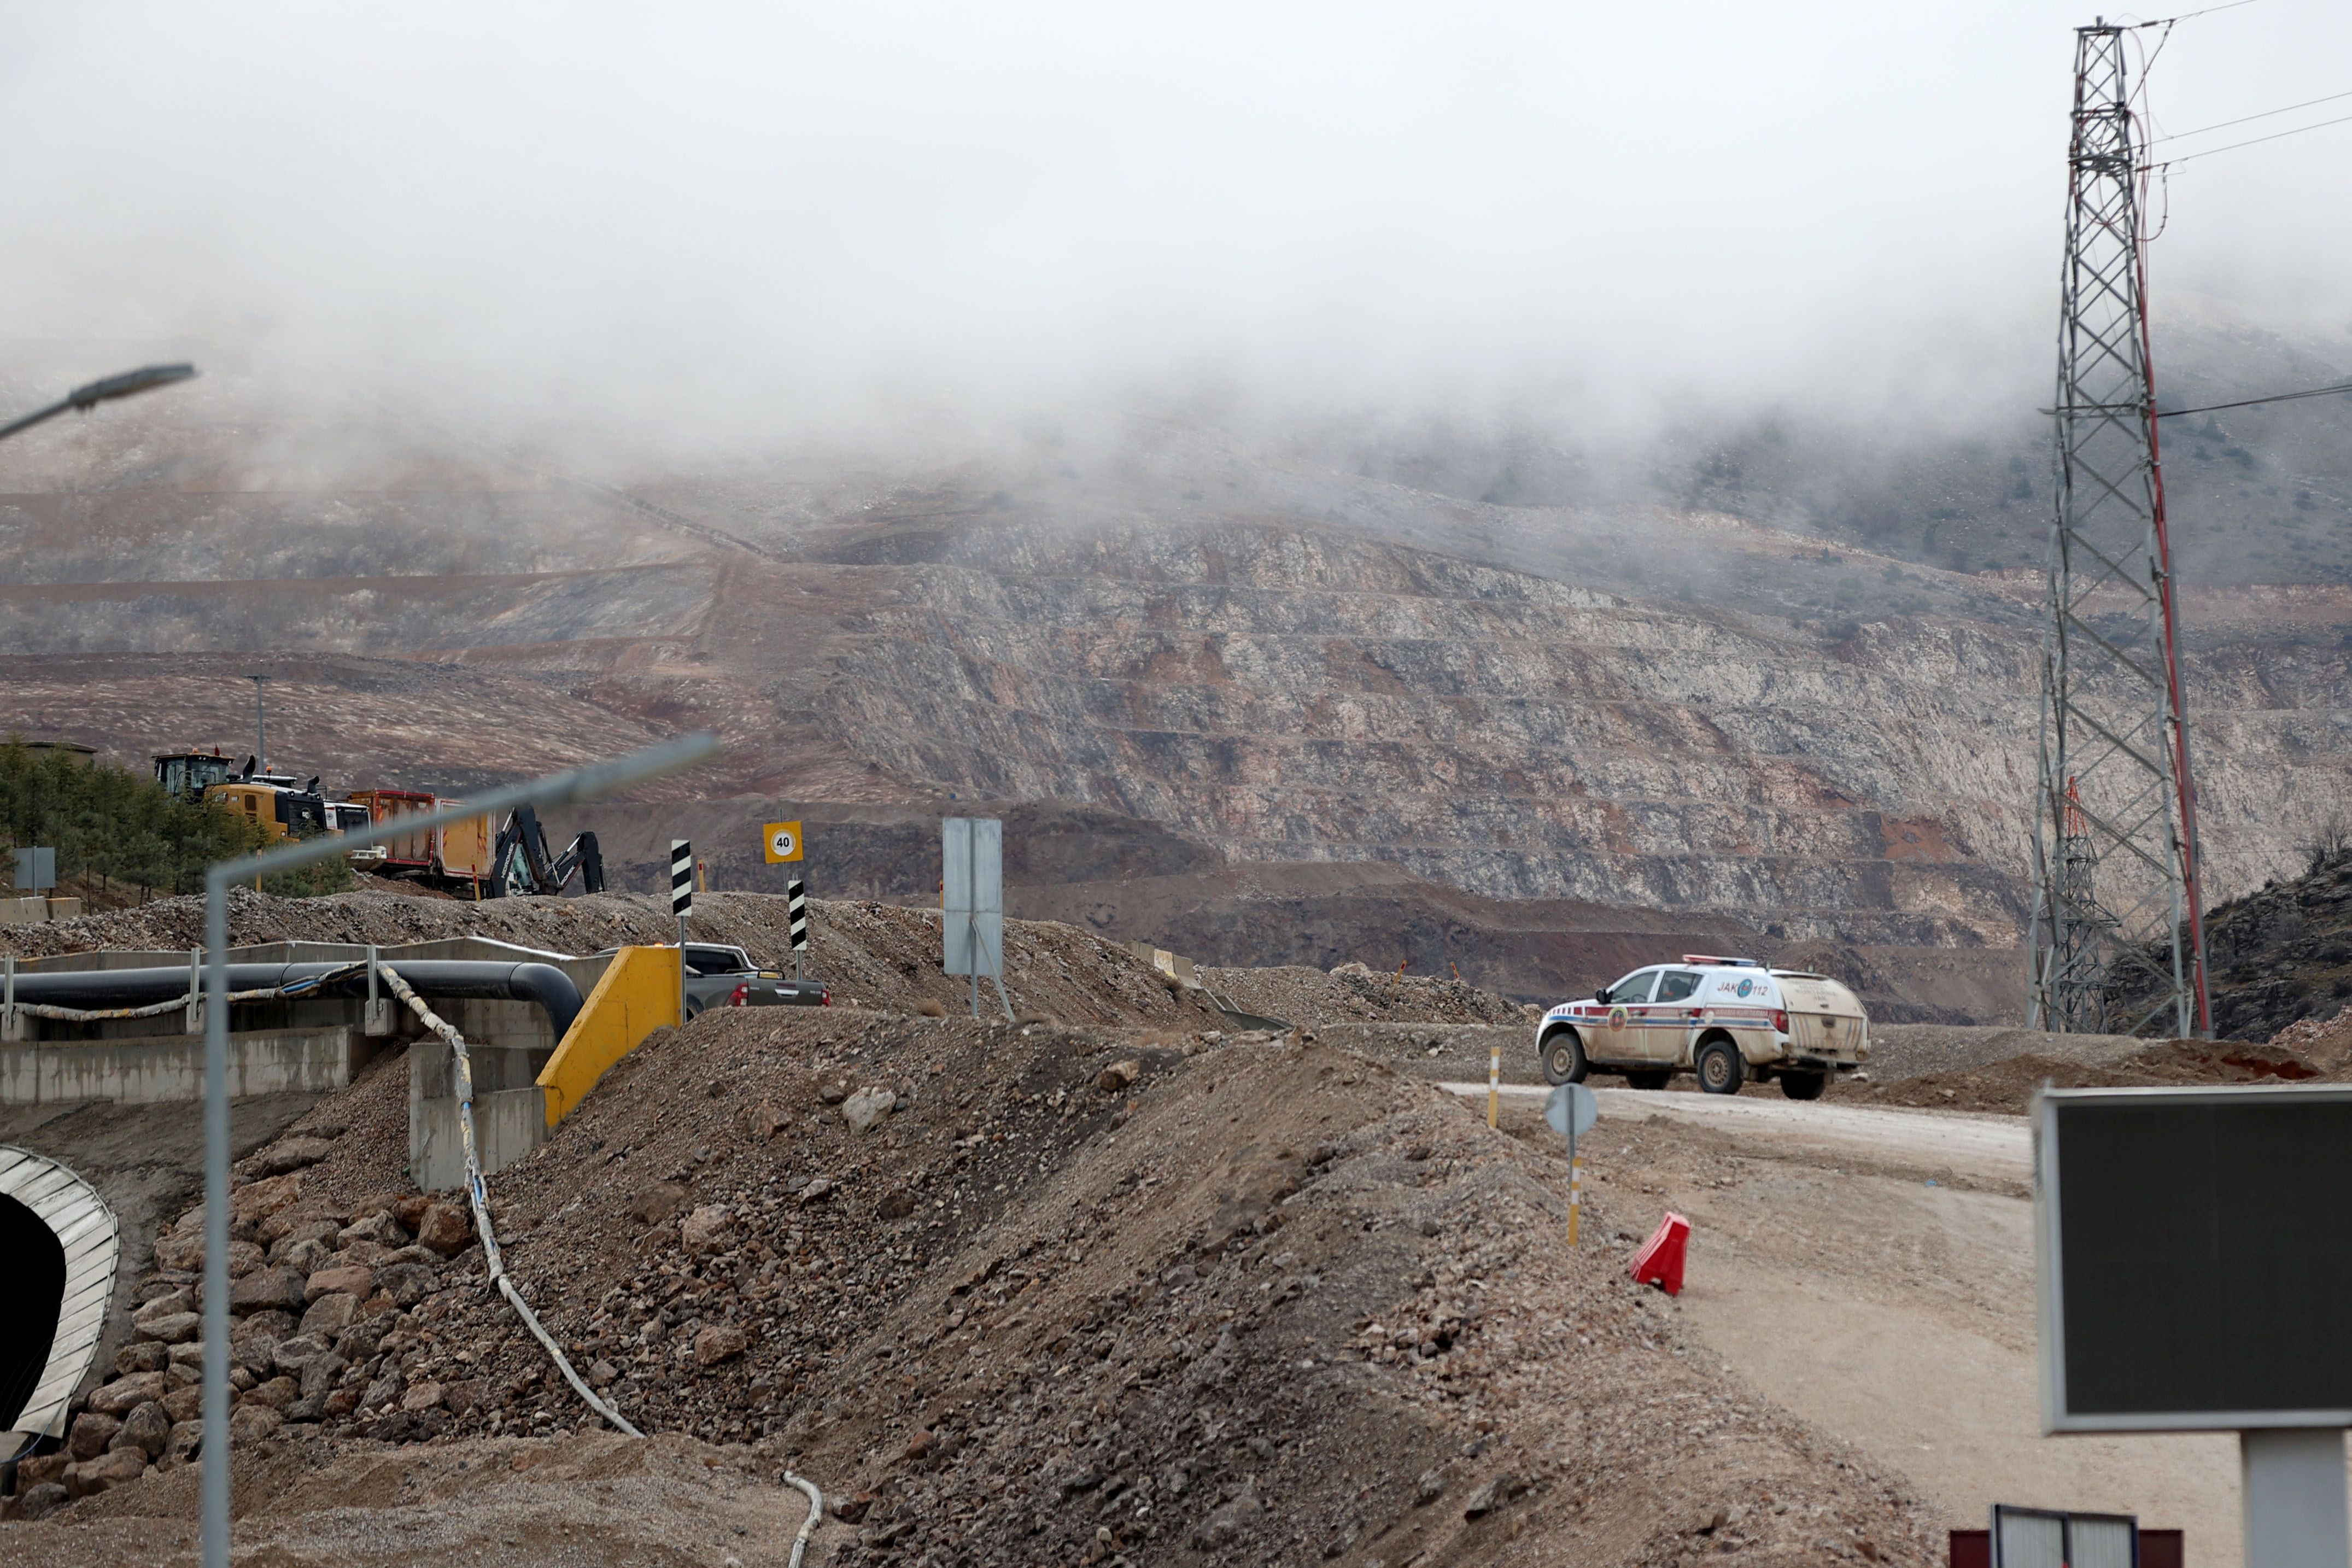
<point>475,978</point>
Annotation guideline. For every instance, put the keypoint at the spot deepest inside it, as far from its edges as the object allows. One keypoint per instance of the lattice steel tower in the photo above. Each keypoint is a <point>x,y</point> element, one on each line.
<point>2118,930</point>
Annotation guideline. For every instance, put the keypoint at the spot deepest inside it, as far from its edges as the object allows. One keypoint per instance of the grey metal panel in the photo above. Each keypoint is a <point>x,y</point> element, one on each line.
<point>91,1314</point>
<point>972,873</point>
<point>94,1292</point>
<point>2028,1540</point>
<point>961,932</point>
<point>955,864</point>
<point>91,1238</point>
<point>2102,1543</point>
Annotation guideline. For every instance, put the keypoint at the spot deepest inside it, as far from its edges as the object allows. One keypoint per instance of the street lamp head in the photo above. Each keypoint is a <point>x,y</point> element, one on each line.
<point>144,379</point>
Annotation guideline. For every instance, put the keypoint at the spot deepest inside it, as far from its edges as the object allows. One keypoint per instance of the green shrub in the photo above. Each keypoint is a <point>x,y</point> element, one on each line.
<point>107,822</point>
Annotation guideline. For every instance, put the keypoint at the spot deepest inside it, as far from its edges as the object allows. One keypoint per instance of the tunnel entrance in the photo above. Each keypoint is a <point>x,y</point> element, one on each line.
<point>36,1264</point>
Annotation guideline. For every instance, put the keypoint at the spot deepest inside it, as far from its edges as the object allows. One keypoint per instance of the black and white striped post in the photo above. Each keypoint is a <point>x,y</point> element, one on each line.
<point>681,904</point>
<point>796,912</point>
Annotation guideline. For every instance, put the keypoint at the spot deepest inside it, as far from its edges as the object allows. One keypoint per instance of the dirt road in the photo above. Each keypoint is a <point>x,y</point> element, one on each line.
<point>1871,1271</point>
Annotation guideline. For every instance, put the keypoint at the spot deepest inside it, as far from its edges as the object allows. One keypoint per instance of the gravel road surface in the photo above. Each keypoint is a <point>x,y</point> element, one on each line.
<point>1989,1148</point>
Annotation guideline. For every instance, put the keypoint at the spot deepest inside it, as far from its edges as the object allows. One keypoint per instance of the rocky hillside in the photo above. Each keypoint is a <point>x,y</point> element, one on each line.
<point>1197,660</point>
<point>2283,953</point>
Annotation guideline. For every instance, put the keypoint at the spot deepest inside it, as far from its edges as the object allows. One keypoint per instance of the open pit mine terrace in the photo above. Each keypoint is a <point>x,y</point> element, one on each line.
<point>1138,1277</point>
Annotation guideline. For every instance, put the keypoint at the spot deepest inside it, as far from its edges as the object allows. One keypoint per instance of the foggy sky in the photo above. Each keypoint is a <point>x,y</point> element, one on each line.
<point>731,223</point>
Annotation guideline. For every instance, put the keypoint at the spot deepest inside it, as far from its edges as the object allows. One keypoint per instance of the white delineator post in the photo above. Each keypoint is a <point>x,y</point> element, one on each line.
<point>796,909</point>
<point>1575,1187</point>
<point>681,904</point>
<point>1494,1085</point>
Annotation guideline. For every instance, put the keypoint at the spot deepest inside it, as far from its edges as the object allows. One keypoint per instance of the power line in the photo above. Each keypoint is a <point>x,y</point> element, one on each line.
<point>2185,15</point>
<point>2255,141</point>
<point>2256,402</point>
<point>2265,114</point>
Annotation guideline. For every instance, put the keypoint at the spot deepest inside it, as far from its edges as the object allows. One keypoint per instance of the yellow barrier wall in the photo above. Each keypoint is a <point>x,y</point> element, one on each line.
<point>638,995</point>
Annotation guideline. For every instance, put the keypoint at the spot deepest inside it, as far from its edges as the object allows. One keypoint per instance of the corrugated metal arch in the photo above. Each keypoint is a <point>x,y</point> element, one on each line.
<point>87,1229</point>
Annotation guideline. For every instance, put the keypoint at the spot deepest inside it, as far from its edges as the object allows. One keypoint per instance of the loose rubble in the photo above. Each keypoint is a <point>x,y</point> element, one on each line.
<point>1354,993</point>
<point>1094,1292</point>
<point>1064,1295</point>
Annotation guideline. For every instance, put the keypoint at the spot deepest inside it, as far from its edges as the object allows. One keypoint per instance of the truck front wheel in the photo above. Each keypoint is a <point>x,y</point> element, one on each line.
<point>1563,1057</point>
<point>1719,1066</point>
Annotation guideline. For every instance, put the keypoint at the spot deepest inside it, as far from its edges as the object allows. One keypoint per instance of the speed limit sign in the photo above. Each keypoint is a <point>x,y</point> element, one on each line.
<point>784,841</point>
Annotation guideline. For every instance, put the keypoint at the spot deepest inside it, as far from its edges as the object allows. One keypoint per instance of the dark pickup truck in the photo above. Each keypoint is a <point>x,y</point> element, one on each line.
<point>720,976</point>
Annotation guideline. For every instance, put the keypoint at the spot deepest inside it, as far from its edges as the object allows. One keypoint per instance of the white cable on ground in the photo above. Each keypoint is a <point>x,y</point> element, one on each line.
<point>815,1515</point>
<point>479,1192</point>
<point>479,1196</point>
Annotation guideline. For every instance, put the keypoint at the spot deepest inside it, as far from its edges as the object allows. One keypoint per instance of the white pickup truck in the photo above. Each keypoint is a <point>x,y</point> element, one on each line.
<point>1726,1019</point>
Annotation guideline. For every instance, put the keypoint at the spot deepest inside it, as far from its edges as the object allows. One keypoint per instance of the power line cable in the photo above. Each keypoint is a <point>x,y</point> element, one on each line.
<point>2254,141</point>
<point>2257,402</point>
<point>2265,114</point>
<point>2185,15</point>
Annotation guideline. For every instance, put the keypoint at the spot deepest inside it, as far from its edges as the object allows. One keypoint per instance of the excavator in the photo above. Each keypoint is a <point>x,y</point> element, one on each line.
<point>520,863</point>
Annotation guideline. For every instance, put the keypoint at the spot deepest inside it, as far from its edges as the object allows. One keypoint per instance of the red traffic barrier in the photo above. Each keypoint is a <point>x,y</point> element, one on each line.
<point>1660,1261</point>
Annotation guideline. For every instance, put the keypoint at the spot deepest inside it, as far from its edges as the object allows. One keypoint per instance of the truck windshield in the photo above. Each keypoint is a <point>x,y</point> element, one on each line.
<point>1634,987</point>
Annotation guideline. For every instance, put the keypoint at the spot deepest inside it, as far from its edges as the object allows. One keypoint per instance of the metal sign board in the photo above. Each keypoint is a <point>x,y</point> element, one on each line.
<point>2162,1213</point>
<point>971,889</point>
<point>1571,1109</point>
<point>681,877</point>
<point>36,869</point>
<point>782,841</point>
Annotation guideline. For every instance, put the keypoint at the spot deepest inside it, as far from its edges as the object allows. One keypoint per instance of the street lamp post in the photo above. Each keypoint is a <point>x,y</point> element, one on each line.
<point>85,398</point>
<point>260,728</point>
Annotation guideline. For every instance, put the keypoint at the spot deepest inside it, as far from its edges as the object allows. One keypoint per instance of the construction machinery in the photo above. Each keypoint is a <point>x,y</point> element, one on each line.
<point>282,804</point>
<point>462,857</point>
<point>467,856</point>
<point>520,863</point>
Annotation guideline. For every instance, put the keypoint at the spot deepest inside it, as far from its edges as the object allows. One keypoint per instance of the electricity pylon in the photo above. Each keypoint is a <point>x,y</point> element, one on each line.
<point>2117,922</point>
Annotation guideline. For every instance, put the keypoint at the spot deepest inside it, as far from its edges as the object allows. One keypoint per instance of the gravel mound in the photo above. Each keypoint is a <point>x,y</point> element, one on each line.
<point>2327,1041</point>
<point>1059,1294</point>
<point>2008,1085</point>
<point>1355,994</point>
<point>1909,1050</point>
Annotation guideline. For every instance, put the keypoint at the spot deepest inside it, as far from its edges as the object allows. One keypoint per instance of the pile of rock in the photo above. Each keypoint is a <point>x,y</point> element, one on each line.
<point>2327,1041</point>
<point>1356,993</point>
<point>324,1318</point>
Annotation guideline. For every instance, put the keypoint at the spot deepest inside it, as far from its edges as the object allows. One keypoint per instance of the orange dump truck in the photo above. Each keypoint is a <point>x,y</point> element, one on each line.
<point>455,855</point>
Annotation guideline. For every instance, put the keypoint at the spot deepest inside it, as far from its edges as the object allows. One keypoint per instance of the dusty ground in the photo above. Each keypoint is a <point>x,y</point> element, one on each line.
<point>597,1500</point>
<point>1882,1288</point>
<point>1259,1302</point>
